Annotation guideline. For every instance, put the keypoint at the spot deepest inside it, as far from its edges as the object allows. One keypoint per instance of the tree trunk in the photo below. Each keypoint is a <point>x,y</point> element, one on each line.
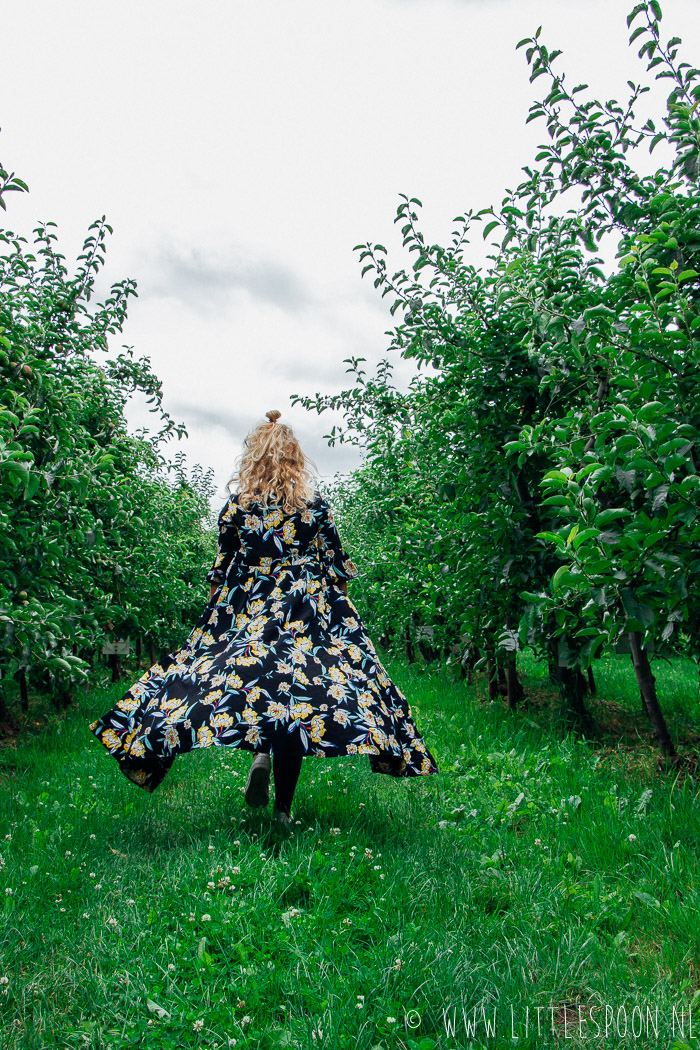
<point>514,689</point>
<point>410,651</point>
<point>501,676</point>
<point>115,664</point>
<point>592,688</point>
<point>21,679</point>
<point>139,650</point>
<point>647,687</point>
<point>571,691</point>
<point>492,672</point>
<point>151,651</point>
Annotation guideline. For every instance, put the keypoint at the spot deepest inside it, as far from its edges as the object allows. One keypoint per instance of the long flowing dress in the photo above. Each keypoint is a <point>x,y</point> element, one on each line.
<point>279,646</point>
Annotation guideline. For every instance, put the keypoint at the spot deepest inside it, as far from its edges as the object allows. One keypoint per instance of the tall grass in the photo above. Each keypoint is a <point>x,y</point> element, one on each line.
<point>532,880</point>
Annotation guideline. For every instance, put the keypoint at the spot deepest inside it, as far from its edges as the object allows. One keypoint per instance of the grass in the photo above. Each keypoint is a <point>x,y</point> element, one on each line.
<point>533,879</point>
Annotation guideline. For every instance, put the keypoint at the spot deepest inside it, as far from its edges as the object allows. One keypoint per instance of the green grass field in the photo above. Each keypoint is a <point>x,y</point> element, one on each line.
<point>539,882</point>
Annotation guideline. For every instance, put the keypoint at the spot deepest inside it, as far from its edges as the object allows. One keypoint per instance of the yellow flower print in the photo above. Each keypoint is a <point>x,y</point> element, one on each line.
<point>299,658</point>
<point>283,687</point>
<point>336,675</point>
<point>254,694</point>
<point>284,668</point>
<point>272,519</point>
<point>276,592</point>
<point>276,710</point>
<point>208,638</point>
<point>252,523</point>
<point>110,739</point>
<point>300,711</point>
<point>171,736</point>
<point>218,679</point>
<point>351,623</point>
<point>241,621</point>
<point>379,737</point>
<point>205,737</point>
<point>354,653</point>
<point>175,716</point>
<point>256,606</point>
<point>318,729</point>
<point>307,516</point>
<point>265,564</point>
<point>299,676</point>
<point>365,699</point>
<point>383,680</point>
<point>425,765</point>
<point>253,736</point>
<point>341,716</point>
<point>127,703</point>
<point>234,681</point>
<point>288,532</point>
<point>367,749</point>
<point>337,692</point>
<point>137,749</point>
<point>249,715</point>
<point>352,749</point>
<point>221,720</point>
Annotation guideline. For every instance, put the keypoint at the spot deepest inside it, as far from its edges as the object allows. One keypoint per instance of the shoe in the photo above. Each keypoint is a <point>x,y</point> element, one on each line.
<point>257,790</point>
<point>283,819</point>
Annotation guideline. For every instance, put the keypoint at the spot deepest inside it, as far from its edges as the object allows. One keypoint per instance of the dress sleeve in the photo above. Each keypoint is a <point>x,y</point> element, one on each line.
<point>229,543</point>
<point>334,556</point>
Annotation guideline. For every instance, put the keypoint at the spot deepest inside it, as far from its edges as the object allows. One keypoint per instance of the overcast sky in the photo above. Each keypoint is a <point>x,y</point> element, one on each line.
<point>241,150</point>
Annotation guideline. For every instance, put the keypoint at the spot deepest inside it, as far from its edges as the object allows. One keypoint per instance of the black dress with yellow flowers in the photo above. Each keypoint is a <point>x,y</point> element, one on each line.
<point>279,646</point>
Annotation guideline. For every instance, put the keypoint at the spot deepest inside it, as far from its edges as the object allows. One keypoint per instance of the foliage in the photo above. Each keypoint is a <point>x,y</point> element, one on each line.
<point>545,454</point>
<point>98,532</point>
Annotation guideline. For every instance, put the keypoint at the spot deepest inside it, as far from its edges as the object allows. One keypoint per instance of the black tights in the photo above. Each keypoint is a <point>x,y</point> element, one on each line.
<point>287,753</point>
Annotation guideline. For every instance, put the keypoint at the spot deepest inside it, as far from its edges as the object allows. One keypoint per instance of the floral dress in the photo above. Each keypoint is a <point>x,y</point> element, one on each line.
<point>278,646</point>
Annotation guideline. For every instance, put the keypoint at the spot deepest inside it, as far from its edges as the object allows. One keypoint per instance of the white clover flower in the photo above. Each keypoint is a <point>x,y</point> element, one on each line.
<point>211,885</point>
<point>4,980</point>
<point>632,838</point>
<point>206,918</point>
<point>245,1021</point>
<point>198,1025</point>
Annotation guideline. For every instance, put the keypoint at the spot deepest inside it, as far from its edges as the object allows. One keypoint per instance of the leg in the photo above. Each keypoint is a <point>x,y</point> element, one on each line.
<point>286,767</point>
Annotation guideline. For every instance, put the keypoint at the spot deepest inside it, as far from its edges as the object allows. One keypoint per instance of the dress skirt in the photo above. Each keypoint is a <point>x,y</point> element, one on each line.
<point>279,647</point>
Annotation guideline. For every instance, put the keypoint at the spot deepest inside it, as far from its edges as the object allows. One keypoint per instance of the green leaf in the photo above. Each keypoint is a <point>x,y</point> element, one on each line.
<point>612,514</point>
<point>491,226</point>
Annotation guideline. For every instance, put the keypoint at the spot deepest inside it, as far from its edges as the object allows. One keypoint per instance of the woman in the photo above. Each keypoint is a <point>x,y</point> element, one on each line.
<point>279,661</point>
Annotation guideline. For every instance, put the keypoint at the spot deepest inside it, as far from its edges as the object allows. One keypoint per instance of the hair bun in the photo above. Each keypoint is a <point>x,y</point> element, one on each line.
<point>273,415</point>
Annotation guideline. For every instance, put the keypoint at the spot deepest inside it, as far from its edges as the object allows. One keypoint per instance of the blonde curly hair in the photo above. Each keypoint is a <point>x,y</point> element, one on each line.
<point>273,469</point>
